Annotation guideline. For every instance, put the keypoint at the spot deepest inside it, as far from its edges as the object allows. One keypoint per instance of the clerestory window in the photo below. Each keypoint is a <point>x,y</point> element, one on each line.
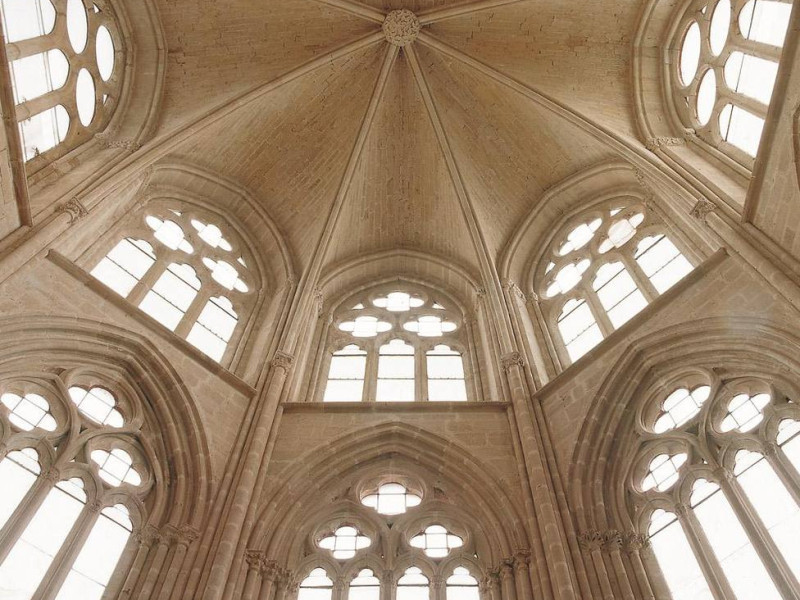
<point>66,509</point>
<point>603,267</point>
<point>396,344</point>
<point>728,53</point>
<point>187,273</point>
<point>719,470</point>
<point>67,63</point>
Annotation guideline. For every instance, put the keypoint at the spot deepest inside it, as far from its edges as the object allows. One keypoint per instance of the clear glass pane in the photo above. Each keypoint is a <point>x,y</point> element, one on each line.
<point>679,565</point>
<point>77,25</point>
<point>776,508</point>
<point>751,76</point>
<point>706,96</point>
<point>96,561</point>
<point>29,559</point>
<point>16,480</point>
<point>765,21</point>
<point>720,25</point>
<point>36,75</point>
<point>733,549</point>
<point>741,128</point>
<point>43,131</point>
<point>343,390</point>
<point>105,53</point>
<point>26,19</point>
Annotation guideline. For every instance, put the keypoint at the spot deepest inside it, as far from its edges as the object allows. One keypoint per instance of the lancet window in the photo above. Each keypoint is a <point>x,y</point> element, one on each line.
<point>727,55</point>
<point>74,484</point>
<point>187,271</point>
<point>602,268</point>
<point>67,62</point>
<point>396,344</point>
<point>716,482</point>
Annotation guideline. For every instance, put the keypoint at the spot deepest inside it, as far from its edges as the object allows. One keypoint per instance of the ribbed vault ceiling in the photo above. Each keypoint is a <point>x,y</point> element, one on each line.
<point>333,128</point>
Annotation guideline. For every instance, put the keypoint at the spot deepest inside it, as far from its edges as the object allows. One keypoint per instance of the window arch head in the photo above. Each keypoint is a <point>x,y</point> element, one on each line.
<point>397,342</point>
<point>316,586</point>
<point>461,585</point>
<point>413,585</point>
<point>603,266</point>
<point>365,586</point>
<point>703,442</point>
<point>727,61</point>
<point>99,483</point>
<point>67,70</point>
<point>186,269</point>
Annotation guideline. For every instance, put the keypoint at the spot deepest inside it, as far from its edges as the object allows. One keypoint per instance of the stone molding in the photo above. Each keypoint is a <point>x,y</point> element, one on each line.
<point>702,209</point>
<point>74,209</point>
<point>660,141</point>
<point>512,359</point>
<point>282,360</point>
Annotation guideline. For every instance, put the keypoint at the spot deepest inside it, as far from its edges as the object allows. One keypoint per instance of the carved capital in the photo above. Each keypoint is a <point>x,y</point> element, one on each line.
<point>255,559</point>
<point>632,542</point>
<point>702,209</point>
<point>521,559</point>
<point>95,506</point>
<point>612,540</point>
<point>506,570</point>
<point>270,570</point>
<point>52,476</point>
<point>148,535</point>
<point>591,540</point>
<point>655,143</point>
<point>187,534</point>
<point>512,359</point>
<point>512,288</point>
<point>74,209</point>
<point>281,360</point>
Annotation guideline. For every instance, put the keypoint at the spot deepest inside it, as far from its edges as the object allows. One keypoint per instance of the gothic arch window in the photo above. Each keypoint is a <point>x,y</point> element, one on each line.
<point>316,586</point>
<point>365,586</point>
<point>188,271</point>
<point>602,268</point>
<point>413,585</point>
<point>727,54</point>
<point>461,585</point>
<point>715,485</point>
<point>396,343</point>
<point>67,62</point>
<point>74,486</point>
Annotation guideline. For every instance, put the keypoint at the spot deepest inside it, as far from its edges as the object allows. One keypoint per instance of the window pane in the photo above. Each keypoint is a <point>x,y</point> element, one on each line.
<point>343,390</point>
<point>445,367</point>
<point>776,508</point>
<point>741,128</point>
<point>97,560</point>
<point>679,565</point>
<point>348,367</point>
<point>25,19</point>
<point>34,76</point>
<point>447,390</point>
<point>161,310</point>
<point>734,551</point>
<point>395,390</point>
<point>29,559</point>
<point>208,343</point>
<point>18,473</point>
<point>43,131</point>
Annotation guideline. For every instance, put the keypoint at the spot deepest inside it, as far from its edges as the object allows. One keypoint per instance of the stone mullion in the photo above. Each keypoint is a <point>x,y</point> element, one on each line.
<point>63,95</point>
<point>472,374</point>
<point>717,582</point>
<point>388,586</point>
<point>517,303</point>
<point>66,555</point>
<point>759,536</point>
<point>552,339</point>
<point>339,589</point>
<point>371,374</point>
<point>26,510</point>
<point>641,280</point>
<point>599,313</point>
<point>193,312</point>
<point>420,373</point>
<point>148,280</point>
<point>784,469</point>
<point>438,588</point>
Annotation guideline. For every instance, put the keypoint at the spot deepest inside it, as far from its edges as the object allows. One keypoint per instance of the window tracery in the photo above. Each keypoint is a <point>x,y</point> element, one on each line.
<point>419,552</point>
<point>185,272</point>
<point>396,343</point>
<point>713,472</point>
<point>67,62</point>
<point>602,268</point>
<point>728,53</point>
<point>70,502</point>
